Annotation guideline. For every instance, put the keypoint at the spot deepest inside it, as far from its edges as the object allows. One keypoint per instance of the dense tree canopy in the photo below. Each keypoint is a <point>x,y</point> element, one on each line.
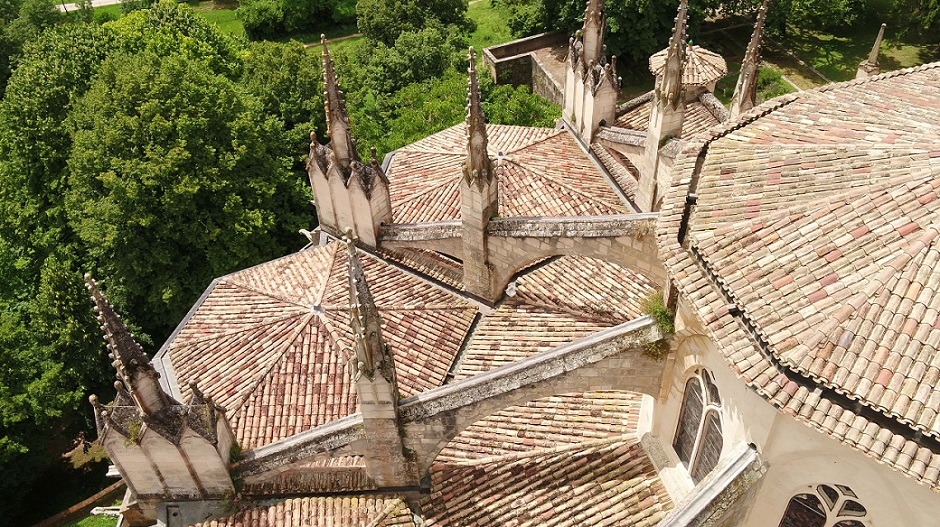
<point>385,20</point>
<point>159,139</point>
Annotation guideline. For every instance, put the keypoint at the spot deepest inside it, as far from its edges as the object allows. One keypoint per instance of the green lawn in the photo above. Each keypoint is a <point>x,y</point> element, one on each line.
<point>491,25</point>
<point>222,15</point>
<point>95,521</point>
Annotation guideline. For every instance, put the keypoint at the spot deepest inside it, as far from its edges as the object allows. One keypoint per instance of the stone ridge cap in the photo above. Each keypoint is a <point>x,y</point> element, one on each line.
<point>634,103</point>
<point>882,76</point>
<point>393,503</point>
<point>554,132</point>
<point>336,433</point>
<point>629,437</point>
<point>444,395</point>
<point>586,226</point>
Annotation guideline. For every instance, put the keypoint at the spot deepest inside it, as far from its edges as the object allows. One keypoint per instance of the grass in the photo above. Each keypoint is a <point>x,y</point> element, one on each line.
<point>222,15</point>
<point>94,521</point>
<point>491,25</point>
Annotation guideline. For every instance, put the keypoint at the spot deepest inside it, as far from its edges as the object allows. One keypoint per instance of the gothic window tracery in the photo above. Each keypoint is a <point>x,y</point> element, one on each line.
<point>699,439</point>
<point>825,506</point>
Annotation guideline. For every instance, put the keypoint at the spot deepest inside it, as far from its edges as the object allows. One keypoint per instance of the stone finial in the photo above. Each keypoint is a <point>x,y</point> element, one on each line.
<point>869,67</point>
<point>592,33</point>
<point>669,86</point>
<point>745,92</point>
<point>132,364</point>
<point>337,118</point>
<point>372,354</point>
<point>477,167</point>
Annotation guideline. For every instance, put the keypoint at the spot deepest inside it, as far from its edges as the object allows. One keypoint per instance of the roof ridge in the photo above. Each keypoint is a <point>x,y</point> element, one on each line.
<point>555,132</point>
<point>324,285</point>
<point>215,336</point>
<point>875,78</point>
<point>392,504</point>
<point>279,354</point>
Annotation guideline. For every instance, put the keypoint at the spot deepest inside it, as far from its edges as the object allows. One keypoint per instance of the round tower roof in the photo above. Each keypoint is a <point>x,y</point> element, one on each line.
<point>702,66</point>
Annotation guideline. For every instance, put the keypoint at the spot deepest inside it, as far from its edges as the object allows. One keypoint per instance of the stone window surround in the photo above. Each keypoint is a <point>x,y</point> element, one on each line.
<point>710,411</point>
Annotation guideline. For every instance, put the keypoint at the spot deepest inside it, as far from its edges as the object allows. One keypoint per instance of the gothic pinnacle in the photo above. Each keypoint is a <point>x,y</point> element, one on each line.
<point>364,319</point>
<point>477,166</point>
<point>745,91</point>
<point>337,118</point>
<point>876,48</point>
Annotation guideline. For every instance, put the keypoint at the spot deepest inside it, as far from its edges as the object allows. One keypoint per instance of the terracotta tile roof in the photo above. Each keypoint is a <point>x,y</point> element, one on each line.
<point>543,172</point>
<point>702,66</point>
<point>619,167</point>
<point>564,300</point>
<point>351,511</point>
<point>547,423</point>
<point>267,343</point>
<point>429,263</point>
<point>819,217</point>
<point>344,474</point>
<point>698,118</point>
<point>604,482</point>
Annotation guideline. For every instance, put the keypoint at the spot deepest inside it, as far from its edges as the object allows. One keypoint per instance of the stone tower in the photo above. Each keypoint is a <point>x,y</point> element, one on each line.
<point>667,110</point>
<point>349,193</point>
<point>165,451</point>
<point>869,67</point>
<point>376,384</point>
<point>479,196</point>
<point>591,83</point>
<point>745,91</point>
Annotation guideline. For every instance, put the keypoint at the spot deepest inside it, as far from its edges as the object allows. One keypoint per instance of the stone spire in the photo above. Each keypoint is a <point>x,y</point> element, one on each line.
<point>669,85</point>
<point>337,119</point>
<point>132,364</point>
<point>479,197</point>
<point>349,194</point>
<point>372,354</point>
<point>869,67</point>
<point>373,370</point>
<point>477,169</point>
<point>592,34</point>
<point>667,112</point>
<point>745,92</point>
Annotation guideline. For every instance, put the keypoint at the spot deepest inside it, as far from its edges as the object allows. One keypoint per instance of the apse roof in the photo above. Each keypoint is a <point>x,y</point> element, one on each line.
<point>819,216</point>
<point>271,343</point>
<point>702,66</point>
<point>541,172</point>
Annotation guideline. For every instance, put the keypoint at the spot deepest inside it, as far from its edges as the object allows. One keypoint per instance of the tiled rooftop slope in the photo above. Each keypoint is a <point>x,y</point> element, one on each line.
<point>270,344</point>
<point>542,172</point>
<point>819,219</point>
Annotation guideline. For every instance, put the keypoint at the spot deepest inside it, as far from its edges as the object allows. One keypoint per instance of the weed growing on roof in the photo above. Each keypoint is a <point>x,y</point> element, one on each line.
<point>655,306</point>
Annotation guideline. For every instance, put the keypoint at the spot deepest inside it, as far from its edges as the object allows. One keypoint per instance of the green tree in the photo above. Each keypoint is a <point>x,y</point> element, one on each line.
<point>384,20</point>
<point>635,28</point>
<point>173,182</point>
<point>415,57</point>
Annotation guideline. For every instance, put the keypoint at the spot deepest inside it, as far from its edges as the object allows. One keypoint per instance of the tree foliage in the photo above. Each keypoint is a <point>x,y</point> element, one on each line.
<point>273,18</point>
<point>385,20</point>
<point>157,138</point>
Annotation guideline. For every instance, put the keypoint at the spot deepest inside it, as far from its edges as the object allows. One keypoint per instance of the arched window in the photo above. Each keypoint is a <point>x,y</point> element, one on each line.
<point>825,506</point>
<point>698,439</point>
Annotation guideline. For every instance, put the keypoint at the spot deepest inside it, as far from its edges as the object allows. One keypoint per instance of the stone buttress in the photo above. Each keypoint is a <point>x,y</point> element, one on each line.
<point>373,370</point>
<point>667,111</point>
<point>349,194</point>
<point>479,198</point>
<point>164,450</point>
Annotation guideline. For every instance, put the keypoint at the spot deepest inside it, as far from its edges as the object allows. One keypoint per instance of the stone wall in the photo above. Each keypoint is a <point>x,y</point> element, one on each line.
<point>513,63</point>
